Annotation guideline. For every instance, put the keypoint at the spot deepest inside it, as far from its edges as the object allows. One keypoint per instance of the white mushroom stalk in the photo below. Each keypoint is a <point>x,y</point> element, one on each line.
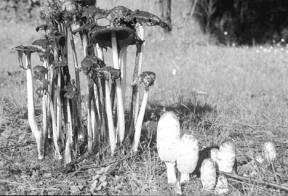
<point>109,73</point>
<point>168,138</point>
<point>120,103</point>
<point>69,136</point>
<point>123,68</point>
<point>30,96</point>
<point>147,78</point>
<point>208,175</point>
<point>138,67</point>
<point>188,151</point>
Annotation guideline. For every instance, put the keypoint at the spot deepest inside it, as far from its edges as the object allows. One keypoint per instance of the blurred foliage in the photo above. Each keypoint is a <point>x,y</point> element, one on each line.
<point>243,21</point>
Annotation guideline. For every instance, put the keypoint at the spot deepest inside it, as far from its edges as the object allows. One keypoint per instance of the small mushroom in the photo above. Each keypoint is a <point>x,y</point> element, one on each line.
<point>225,157</point>
<point>168,138</point>
<point>208,175</point>
<point>269,152</point>
<point>222,186</point>
<point>188,151</point>
<point>146,78</point>
<point>27,51</point>
<point>109,73</point>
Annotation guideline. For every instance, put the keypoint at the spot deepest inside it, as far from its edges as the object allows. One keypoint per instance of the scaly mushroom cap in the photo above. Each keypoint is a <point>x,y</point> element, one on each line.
<point>221,186</point>
<point>125,36</point>
<point>94,12</point>
<point>145,18</point>
<point>108,73</point>
<point>168,137</point>
<point>90,63</point>
<point>117,14</point>
<point>39,72</point>
<point>208,174</point>
<point>226,157</point>
<point>188,151</point>
<point>147,78</point>
<point>269,151</point>
<point>70,90</point>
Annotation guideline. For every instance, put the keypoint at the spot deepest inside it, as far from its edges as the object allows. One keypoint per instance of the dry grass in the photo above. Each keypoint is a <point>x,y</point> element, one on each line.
<point>246,100</point>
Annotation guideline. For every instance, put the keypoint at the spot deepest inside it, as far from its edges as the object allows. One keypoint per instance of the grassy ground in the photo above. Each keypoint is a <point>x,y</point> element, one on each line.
<point>245,99</point>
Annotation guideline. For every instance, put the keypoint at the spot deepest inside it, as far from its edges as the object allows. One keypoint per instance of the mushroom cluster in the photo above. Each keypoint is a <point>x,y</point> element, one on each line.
<point>211,164</point>
<point>62,106</point>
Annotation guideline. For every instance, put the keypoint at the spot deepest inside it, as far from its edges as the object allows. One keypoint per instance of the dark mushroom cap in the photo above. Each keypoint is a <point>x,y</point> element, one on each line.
<point>85,2</point>
<point>43,27</point>
<point>39,72</point>
<point>43,43</point>
<point>125,36</point>
<point>91,63</point>
<point>145,18</point>
<point>147,78</point>
<point>70,90</point>
<point>108,73</point>
<point>27,49</point>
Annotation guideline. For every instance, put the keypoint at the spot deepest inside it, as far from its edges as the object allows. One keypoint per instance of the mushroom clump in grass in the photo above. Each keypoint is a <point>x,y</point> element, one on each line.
<point>187,157</point>
<point>168,137</point>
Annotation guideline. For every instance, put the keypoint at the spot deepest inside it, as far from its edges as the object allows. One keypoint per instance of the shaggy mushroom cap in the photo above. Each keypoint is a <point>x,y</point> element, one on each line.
<point>90,63</point>
<point>168,137</point>
<point>188,151</point>
<point>39,72</point>
<point>108,73</point>
<point>147,78</point>
<point>208,174</point>
<point>117,15</point>
<point>269,151</point>
<point>94,12</point>
<point>226,156</point>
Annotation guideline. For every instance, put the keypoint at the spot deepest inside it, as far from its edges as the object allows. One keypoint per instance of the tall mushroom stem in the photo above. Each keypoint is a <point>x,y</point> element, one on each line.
<point>139,121</point>
<point>171,172</point>
<point>138,68</point>
<point>30,104</point>
<point>123,68</point>
<point>110,118</point>
<point>54,128</point>
<point>69,136</point>
<point>120,104</point>
<point>58,105</point>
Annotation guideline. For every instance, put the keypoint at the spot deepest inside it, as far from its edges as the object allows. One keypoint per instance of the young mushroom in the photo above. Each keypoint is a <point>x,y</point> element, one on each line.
<point>187,158</point>
<point>269,152</point>
<point>27,51</point>
<point>225,157</point>
<point>146,78</point>
<point>208,174</point>
<point>109,73</point>
<point>222,186</point>
<point>168,138</point>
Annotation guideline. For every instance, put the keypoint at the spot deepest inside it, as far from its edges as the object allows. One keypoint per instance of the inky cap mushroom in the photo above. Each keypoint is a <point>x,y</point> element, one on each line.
<point>39,72</point>
<point>208,174</point>
<point>108,73</point>
<point>90,63</point>
<point>188,151</point>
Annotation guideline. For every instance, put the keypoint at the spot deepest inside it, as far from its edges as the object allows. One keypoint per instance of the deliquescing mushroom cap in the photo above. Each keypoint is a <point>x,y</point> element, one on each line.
<point>125,36</point>
<point>42,42</point>
<point>39,72</point>
<point>117,14</point>
<point>27,49</point>
<point>91,11</point>
<point>108,73</point>
<point>90,63</point>
<point>147,78</point>
<point>145,18</point>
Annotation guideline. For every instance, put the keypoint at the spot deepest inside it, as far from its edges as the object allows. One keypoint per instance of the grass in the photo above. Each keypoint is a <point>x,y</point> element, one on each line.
<point>245,100</point>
